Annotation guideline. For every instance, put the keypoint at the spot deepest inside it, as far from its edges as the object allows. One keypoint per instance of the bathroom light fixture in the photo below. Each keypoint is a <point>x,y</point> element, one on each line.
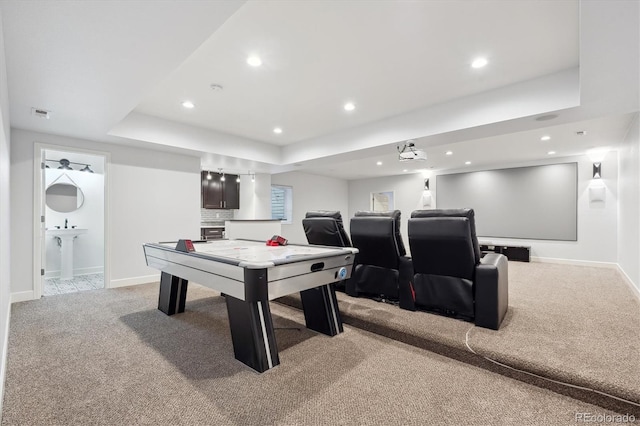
<point>253,178</point>
<point>277,130</point>
<point>448,153</point>
<point>379,163</point>
<point>467,162</point>
<point>238,179</point>
<point>551,152</point>
<point>65,165</point>
<point>597,170</point>
<point>188,104</point>
<point>349,106</point>
<point>545,138</point>
<point>209,177</point>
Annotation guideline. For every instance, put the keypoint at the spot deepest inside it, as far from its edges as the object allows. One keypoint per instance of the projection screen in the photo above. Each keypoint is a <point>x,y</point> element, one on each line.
<point>538,202</point>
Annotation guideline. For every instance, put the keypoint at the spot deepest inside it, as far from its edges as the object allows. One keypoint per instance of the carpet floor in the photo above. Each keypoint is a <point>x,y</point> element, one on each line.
<point>574,324</point>
<point>108,357</point>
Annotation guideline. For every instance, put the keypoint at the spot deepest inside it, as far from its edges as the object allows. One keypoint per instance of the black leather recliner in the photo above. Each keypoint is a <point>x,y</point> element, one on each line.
<point>324,227</point>
<point>380,264</point>
<point>449,274</point>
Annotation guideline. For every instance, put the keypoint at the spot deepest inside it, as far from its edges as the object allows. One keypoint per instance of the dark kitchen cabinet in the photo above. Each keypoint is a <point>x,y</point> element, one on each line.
<point>219,194</point>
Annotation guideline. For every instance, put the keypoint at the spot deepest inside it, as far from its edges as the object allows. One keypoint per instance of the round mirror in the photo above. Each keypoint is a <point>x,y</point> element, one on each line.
<point>64,197</point>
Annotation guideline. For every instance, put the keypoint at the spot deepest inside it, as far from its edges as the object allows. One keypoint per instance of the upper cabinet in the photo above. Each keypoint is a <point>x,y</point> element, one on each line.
<point>219,194</point>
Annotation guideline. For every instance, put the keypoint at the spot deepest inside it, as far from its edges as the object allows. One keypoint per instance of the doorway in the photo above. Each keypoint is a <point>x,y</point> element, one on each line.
<point>70,249</point>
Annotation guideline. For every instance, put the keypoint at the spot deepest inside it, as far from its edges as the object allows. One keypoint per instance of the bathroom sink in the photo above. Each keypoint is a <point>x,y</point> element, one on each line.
<point>66,232</point>
<point>65,239</point>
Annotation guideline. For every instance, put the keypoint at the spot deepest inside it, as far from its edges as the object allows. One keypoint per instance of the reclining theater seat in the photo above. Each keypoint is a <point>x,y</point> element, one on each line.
<point>450,276</point>
<point>325,228</point>
<point>380,263</point>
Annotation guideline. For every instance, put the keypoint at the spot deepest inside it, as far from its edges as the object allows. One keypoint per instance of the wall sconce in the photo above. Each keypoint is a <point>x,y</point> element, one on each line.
<point>597,170</point>
<point>426,195</point>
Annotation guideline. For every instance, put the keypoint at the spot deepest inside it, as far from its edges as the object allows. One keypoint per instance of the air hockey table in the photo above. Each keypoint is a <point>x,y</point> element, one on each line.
<point>250,274</point>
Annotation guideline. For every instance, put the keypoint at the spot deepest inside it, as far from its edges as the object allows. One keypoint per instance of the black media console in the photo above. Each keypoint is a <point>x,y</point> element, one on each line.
<point>517,253</point>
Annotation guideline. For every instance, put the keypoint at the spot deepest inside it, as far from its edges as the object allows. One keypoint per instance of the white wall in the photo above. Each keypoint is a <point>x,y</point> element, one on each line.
<point>407,194</point>
<point>629,213</point>
<point>5,225</point>
<point>152,196</point>
<point>255,197</point>
<point>88,249</point>
<point>312,192</point>
<point>597,222</point>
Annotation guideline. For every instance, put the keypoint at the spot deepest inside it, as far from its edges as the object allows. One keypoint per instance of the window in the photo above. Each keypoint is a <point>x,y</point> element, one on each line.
<point>282,203</point>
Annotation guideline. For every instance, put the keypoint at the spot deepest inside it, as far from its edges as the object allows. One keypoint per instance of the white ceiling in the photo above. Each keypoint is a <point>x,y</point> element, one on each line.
<point>118,72</point>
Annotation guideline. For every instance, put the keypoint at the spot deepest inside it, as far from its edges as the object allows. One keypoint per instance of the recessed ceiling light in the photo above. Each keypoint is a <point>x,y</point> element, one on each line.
<point>551,152</point>
<point>254,61</point>
<point>349,106</point>
<point>188,104</point>
<point>277,130</point>
<point>467,162</point>
<point>449,153</point>
<point>405,170</point>
<point>545,138</point>
<point>479,62</point>
<point>379,163</point>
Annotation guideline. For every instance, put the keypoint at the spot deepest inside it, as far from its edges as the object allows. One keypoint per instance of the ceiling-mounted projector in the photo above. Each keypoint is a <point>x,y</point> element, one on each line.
<point>409,152</point>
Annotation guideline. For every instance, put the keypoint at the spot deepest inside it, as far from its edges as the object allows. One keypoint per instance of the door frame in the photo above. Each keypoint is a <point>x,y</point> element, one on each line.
<point>38,212</point>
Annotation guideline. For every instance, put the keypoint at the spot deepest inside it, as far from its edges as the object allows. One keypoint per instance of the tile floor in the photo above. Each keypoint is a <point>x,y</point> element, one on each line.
<point>54,286</point>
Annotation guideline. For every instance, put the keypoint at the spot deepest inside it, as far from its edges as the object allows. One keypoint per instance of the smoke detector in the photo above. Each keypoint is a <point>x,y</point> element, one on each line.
<point>42,113</point>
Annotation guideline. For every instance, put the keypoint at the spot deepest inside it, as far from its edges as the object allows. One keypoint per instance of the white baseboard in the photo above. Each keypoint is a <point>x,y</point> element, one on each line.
<point>635,290</point>
<point>134,281</point>
<point>21,296</point>
<point>3,360</point>
<point>609,265</point>
<point>76,272</point>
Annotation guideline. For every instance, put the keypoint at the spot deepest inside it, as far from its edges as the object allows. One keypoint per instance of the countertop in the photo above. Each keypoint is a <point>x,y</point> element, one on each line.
<point>254,220</point>
<point>212,225</point>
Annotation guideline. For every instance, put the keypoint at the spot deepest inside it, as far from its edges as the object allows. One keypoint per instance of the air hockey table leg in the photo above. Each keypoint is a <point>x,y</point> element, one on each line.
<point>254,341</point>
<point>321,311</point>
<point>173,294</point>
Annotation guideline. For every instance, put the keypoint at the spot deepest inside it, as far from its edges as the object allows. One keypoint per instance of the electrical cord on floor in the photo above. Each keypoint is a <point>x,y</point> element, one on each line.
<point>466,342</point>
